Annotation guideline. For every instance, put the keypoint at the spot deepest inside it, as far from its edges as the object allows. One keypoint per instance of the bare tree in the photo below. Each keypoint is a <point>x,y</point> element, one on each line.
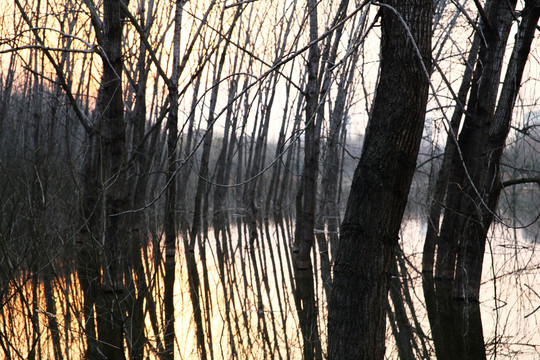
<point>474,183</point>
<point>369,232</point>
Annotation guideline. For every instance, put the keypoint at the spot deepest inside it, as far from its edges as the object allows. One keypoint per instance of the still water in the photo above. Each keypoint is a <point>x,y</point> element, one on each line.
<point>246,300</point>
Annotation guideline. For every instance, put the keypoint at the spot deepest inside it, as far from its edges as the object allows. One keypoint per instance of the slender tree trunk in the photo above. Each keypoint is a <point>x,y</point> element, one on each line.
<point>202,184</point>
<point>306,200</point>
<point>5,96</point>
<point>276,171</point>
<point>440,327</point>
<point>369,232</point>
<point>185,171</point>
<point>169,225</point>
<point>220,217</point>
<point>306,221</point>
<point>141,159</point>
<point>402,326</point>
<point>441,184</point>
<point>48,289</point>
<point>328,213</point>
<point>258,158</point>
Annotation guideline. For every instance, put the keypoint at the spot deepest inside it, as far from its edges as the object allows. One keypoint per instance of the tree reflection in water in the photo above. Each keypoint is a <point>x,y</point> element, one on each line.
<point>244,303</point>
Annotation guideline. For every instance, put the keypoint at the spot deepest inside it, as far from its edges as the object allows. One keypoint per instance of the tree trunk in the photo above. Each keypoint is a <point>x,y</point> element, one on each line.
<point>460,253</point>
<point>440,327</point>
<point>306,222</point>
<point>106,172</point>
<point>369,232</point>
<point>441,184</point>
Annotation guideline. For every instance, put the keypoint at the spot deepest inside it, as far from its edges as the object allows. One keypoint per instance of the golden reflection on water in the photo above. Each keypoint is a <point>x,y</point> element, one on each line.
<point>248,310</point>
<point>24,319</point>
<point>255,296</point>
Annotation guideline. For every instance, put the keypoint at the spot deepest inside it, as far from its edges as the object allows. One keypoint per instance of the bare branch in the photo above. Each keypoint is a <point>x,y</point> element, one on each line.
<point>63,82</point>
<point>526,180</point>
<point>46,48</point>
<point>239,4</point>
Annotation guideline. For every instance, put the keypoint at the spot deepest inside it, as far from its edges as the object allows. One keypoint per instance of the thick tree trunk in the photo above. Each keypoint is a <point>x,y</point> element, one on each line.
<point>472,139</point>
<point>460,253</point>
<point>106,191</point>
<point>473,237</point>
<point>369,232</point>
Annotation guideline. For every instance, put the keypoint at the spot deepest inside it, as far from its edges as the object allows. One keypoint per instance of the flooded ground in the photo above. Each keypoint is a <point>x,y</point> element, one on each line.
<point>509,299</point>
<point>243,301</point>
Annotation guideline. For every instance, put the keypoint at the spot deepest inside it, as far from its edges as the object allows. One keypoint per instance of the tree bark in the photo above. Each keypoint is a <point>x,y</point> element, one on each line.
<point>475,182</point>
<point>369,232</point>
<point>169,224</point>
<point>306,222</point>
<point>441,184</point>
<point>467,164</point>
<point>107,183</point>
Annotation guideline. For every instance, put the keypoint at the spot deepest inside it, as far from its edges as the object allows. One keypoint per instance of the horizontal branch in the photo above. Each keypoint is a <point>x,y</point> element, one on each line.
<point>239,3</point>
<point>63,33</point>
<point>45,48</point>
<point>519,181</point>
